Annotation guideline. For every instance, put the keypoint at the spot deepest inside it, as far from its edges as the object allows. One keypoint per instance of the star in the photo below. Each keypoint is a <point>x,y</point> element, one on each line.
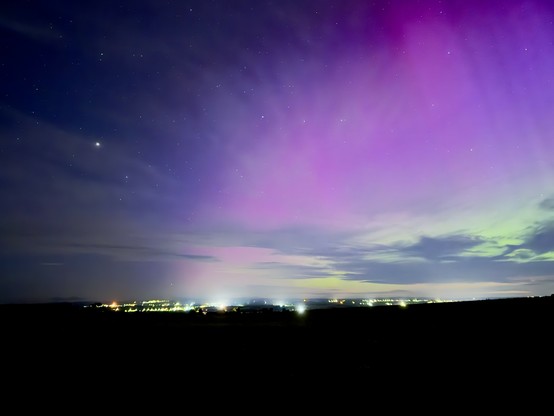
<point>97,144</point>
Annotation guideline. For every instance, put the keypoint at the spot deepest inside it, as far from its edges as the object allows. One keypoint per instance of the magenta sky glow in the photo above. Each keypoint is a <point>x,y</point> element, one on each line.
<point>298,149</point>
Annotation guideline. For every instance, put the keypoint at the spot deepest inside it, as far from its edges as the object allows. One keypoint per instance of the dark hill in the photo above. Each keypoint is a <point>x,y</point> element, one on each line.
<point>493,335</point>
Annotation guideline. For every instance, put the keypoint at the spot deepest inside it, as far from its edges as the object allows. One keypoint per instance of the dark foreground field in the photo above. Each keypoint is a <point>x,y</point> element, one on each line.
<point>476,337</point>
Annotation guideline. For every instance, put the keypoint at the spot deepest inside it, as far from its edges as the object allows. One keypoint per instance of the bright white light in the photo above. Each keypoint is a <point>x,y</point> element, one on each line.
<point>402,304</point>
<point>97,144</point>
<point>300,308</point>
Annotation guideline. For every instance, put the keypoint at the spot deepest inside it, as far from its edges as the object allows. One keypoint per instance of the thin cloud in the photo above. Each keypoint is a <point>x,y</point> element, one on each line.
<point>437,248</point>
<point>34,31</point>
<point>539,241</point>
<point>547,204</point>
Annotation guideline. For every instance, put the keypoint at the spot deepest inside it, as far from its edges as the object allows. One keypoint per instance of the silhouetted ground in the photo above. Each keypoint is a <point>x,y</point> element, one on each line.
<point>479,337</point>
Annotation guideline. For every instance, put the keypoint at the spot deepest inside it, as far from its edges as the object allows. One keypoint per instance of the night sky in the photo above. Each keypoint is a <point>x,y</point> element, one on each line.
<point>283,149</point>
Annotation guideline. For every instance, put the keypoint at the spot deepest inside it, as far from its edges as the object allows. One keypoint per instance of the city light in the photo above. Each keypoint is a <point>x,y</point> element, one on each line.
<point>278,306</point>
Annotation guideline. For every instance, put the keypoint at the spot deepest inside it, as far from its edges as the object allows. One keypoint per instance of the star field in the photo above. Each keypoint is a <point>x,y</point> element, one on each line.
<point>212,149</point>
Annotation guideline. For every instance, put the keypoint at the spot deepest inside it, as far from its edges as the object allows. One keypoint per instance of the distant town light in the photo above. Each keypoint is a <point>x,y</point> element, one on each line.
<point>300,308</point>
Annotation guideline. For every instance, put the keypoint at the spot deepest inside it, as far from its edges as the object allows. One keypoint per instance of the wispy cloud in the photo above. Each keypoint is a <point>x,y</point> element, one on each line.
<point>440,248</point>
<point>37,31</point>
<point>547,204</point>
<point>539,240</point>
<point>78,195</point>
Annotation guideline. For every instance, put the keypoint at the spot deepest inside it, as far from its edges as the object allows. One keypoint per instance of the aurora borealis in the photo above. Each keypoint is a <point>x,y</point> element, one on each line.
<point>280,149</point>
